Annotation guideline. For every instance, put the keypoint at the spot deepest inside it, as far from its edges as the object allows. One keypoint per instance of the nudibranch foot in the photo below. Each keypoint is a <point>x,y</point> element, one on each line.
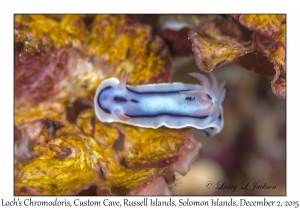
<point>174,105</point>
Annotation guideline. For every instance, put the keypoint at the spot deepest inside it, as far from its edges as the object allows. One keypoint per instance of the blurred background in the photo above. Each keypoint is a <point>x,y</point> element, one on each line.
<point>252,145</point>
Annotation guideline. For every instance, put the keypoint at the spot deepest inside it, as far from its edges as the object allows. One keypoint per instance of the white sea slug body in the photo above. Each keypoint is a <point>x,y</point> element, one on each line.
<point>174,105</point>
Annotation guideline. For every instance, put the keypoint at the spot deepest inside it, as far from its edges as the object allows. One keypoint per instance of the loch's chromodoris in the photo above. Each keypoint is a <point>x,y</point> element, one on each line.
<point>174,105</point>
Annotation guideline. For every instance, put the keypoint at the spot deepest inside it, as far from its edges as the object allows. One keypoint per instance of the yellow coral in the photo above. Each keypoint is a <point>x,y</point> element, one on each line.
<point>129,49</point>
<point>83,55</point>
<point>266,24</point>
<point>277,54</point>
<point>82,153</point>
<point>62,165</point>
<point>27,112</point>
<point>213,49</point>
<point>144,146</point>
<point>148,147</point>
<point>117,44</point>
<point>106,134</point>
<point>65,164</point>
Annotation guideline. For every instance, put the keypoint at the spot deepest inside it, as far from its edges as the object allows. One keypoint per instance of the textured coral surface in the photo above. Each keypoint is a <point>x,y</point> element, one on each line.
<point>61,59</point>
<point>218,42</point>
<point>83,154</point>
<point>59,63</point>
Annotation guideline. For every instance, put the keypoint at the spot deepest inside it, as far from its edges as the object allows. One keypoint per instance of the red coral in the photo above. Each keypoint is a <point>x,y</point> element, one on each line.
<point>256,62</point>
<point>212,52</point>
<point>178,41</point>
<point>219,42</point>
<point>269,38</point>
<point>267,25</point>
<point>221,29</point>
<point>38,67</point>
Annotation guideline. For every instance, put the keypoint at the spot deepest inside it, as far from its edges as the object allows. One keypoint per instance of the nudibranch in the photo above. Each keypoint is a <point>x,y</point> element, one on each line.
<point>174,105</point>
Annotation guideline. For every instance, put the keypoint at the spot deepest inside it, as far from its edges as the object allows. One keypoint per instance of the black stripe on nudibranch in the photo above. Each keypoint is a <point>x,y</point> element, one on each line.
<point>166,114</point>
<point>158,92</point>
<point>135,101</point>
<point>190,98</point>
<point>119,99</point>
<point>104,109</point>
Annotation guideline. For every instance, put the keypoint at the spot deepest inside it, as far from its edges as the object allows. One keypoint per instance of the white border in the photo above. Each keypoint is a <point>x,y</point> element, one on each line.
<point>153,6</point>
